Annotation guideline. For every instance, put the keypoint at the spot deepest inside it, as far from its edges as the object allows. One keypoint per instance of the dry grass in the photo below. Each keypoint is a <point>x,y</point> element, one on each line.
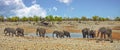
<point>116,28</point>
<point>37,43</point>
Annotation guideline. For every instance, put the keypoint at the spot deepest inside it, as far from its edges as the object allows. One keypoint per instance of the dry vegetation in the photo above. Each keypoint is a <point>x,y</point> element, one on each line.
<point>37,43</point>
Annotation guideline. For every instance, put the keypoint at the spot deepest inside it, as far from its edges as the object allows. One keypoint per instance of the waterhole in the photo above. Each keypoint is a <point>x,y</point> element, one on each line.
<point>73,35</point>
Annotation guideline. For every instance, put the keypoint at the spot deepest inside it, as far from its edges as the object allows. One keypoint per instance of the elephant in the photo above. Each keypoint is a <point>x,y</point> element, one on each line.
<point>10,31</point>
<point>59,34</point>
<point>105,31</point>
<point>41,32</point>
<point>92,33</point>
<point>66,33</point>
<point>85,32</point>
<point>20,31</point>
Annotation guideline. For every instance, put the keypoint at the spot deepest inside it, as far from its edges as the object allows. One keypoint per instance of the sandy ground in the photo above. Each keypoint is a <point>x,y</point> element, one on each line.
<point>37,43</point>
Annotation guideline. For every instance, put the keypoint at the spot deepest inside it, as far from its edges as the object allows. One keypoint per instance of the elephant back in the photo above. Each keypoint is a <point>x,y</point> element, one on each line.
<point>12,30</point>
<point>102,30</point>
<point>19,29</point>
<point>85,30</point>
<point>42,30</point>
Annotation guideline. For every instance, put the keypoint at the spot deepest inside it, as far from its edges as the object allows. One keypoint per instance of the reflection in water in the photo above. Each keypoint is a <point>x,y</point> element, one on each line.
<point>73,35</point>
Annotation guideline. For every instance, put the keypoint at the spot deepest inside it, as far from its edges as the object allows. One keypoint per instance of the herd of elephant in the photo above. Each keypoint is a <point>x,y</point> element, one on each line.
<point>39,32</point>
<point>86,32</point>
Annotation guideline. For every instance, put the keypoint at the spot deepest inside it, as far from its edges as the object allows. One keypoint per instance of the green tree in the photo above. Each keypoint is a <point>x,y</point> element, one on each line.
<point>95,18</point>
<point>36,18</point>
<point>66,18</point>
<point>49,18</point>
<point>24,18</point>
<point>76,19</point>
<point>117,19</point>
<point>8,19</point>
<point>57,18</point>
<point>15,19</point>
<point>1,18</point>
<point>30,18</point>
<point>84,18</point>
<point>107,19</point>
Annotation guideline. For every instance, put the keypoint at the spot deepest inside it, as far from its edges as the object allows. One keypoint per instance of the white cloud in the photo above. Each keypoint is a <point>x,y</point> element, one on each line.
<point>30,11</point>
<point>18,8</point>
<point>65,1</point>
<point>55,8</point>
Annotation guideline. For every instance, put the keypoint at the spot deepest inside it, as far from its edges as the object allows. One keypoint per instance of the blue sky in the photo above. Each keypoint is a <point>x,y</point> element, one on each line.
<point>65,8</point>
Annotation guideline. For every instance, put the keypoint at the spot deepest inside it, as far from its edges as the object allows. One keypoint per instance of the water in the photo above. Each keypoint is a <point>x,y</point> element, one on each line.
<point>73,35</point>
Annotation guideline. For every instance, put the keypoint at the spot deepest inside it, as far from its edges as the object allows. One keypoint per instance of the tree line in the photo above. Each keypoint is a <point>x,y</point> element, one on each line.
<point>56,18</point>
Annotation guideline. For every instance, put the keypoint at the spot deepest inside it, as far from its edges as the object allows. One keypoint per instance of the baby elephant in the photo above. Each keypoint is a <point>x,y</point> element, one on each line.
<point>41,32</point>
<point>92,33</point>
<point>85,32</point>
<point>66,33</point>
<point>10,31</point>
<point>20,31</point>
<point>59,34</point>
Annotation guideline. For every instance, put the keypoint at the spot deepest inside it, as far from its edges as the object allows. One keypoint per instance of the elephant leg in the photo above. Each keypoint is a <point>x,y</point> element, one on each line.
<point>69,36</point>
<point>17,34</point>
<point>104,36</point>
<point>43,35</point>
<point>91,36</point>
<point>5,33</point>
<point>57,35</point>
<point>40,34</point>
<point>110,38</point>
<point>60,36</point>
<point>101,37</point>
<point>63,36</point>
<point>12,34</point>
<point>22,34</point>
<point>9,33</point>
<point>87,36</point>
<point>84,35</point>
<point>37,33</point>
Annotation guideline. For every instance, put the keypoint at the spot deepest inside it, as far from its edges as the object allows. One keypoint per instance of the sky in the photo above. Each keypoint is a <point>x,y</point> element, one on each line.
<point>64,8</point>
